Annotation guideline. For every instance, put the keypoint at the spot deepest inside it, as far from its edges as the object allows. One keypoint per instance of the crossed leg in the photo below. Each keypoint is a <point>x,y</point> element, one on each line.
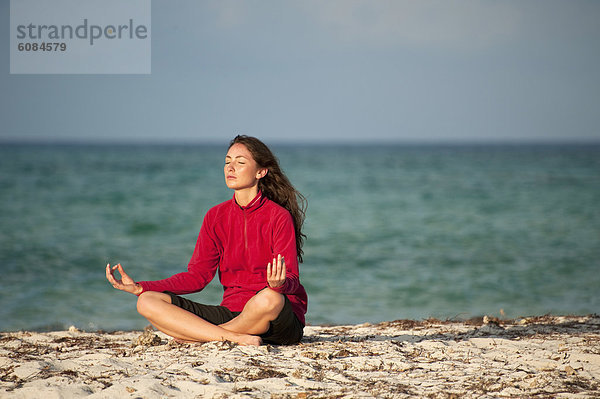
<point>182,325</point>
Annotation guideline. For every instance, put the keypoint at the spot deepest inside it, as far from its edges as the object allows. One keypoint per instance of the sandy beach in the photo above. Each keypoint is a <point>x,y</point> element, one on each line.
<point>486,357</point>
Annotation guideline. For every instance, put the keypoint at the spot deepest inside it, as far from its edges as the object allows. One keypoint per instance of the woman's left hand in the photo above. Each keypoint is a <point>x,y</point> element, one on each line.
<point>276,272</point>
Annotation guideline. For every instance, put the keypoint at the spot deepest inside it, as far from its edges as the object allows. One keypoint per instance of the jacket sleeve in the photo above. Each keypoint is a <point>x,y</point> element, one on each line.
<point>201,268</point>
<point>284,243</point>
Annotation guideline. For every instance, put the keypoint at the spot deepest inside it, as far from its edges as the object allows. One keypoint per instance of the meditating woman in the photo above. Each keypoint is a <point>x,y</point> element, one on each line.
<point>255,242</point>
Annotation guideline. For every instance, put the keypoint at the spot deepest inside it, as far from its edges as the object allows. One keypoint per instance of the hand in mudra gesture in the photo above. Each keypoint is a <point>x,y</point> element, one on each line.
<point>125,283</point>
<point>276,272</point>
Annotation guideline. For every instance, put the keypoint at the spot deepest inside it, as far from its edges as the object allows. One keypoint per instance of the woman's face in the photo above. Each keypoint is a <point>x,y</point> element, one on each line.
<point>241,170</point>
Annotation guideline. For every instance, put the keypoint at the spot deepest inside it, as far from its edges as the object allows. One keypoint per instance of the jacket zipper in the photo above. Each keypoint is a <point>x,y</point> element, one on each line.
<point>245,233</point>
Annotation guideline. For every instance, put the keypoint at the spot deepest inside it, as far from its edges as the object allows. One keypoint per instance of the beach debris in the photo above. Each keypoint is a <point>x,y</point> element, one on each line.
<point>491,320</point>
<point>147,338</point>
<point>549,357</point>
<point>74,330</point>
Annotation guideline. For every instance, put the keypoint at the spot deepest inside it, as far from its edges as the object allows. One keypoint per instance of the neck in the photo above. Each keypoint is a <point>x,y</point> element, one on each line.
<point>243,197</point>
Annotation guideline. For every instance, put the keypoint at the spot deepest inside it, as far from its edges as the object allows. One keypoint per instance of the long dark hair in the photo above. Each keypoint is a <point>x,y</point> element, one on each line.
<point>276,186</point>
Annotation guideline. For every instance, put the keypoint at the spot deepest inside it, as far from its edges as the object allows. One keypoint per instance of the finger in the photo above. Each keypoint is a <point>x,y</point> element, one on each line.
<point>112,280</point>
<point>274,268</point>
<point>123,274</point>
<point>109,273</point>
<point>269,271</point>
<point>281,267</point>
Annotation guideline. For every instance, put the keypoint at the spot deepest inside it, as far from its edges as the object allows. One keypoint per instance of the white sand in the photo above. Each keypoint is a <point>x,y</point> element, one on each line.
<point>544,356</point>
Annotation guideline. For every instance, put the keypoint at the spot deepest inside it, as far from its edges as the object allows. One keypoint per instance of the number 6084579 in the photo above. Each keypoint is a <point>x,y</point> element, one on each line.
<point>42,46</point>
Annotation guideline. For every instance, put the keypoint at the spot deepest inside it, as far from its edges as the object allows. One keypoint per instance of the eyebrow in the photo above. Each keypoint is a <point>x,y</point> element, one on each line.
<point>239,156</point>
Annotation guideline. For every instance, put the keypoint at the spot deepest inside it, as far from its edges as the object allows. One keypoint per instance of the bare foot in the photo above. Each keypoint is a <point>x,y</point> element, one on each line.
<point>246,340</point>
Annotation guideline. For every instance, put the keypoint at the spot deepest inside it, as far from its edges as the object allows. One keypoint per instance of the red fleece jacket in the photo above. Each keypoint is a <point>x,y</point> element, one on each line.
<point>239,242</point>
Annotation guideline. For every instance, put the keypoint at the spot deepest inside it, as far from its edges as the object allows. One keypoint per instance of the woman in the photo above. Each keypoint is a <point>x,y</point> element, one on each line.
<point>255,242</point>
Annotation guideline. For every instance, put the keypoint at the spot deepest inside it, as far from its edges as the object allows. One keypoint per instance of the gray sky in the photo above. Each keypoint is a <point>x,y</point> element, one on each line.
<point>332,71</point>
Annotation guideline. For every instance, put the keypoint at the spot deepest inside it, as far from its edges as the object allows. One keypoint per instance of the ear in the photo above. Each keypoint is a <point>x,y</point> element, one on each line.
<point>262,173</point>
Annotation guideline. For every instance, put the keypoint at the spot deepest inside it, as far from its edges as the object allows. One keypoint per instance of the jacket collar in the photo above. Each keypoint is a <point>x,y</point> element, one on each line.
<point>256,203</point>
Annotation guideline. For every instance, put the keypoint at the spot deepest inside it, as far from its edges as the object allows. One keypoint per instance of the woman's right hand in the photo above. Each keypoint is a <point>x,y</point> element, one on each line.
<point>126,283</point>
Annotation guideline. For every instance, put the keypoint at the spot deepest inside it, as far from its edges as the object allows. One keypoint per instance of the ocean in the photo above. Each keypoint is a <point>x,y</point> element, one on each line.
<point>394,231</point>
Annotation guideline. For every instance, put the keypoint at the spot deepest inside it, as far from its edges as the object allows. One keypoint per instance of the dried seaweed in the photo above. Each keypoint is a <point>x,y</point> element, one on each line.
<point>401,358</point>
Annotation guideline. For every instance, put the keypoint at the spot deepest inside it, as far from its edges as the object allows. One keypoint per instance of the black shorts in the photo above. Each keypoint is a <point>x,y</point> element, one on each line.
<point>286,329</point>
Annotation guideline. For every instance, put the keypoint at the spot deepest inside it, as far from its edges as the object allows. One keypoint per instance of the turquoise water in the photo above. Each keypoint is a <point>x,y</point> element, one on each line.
<point>393,231</point>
